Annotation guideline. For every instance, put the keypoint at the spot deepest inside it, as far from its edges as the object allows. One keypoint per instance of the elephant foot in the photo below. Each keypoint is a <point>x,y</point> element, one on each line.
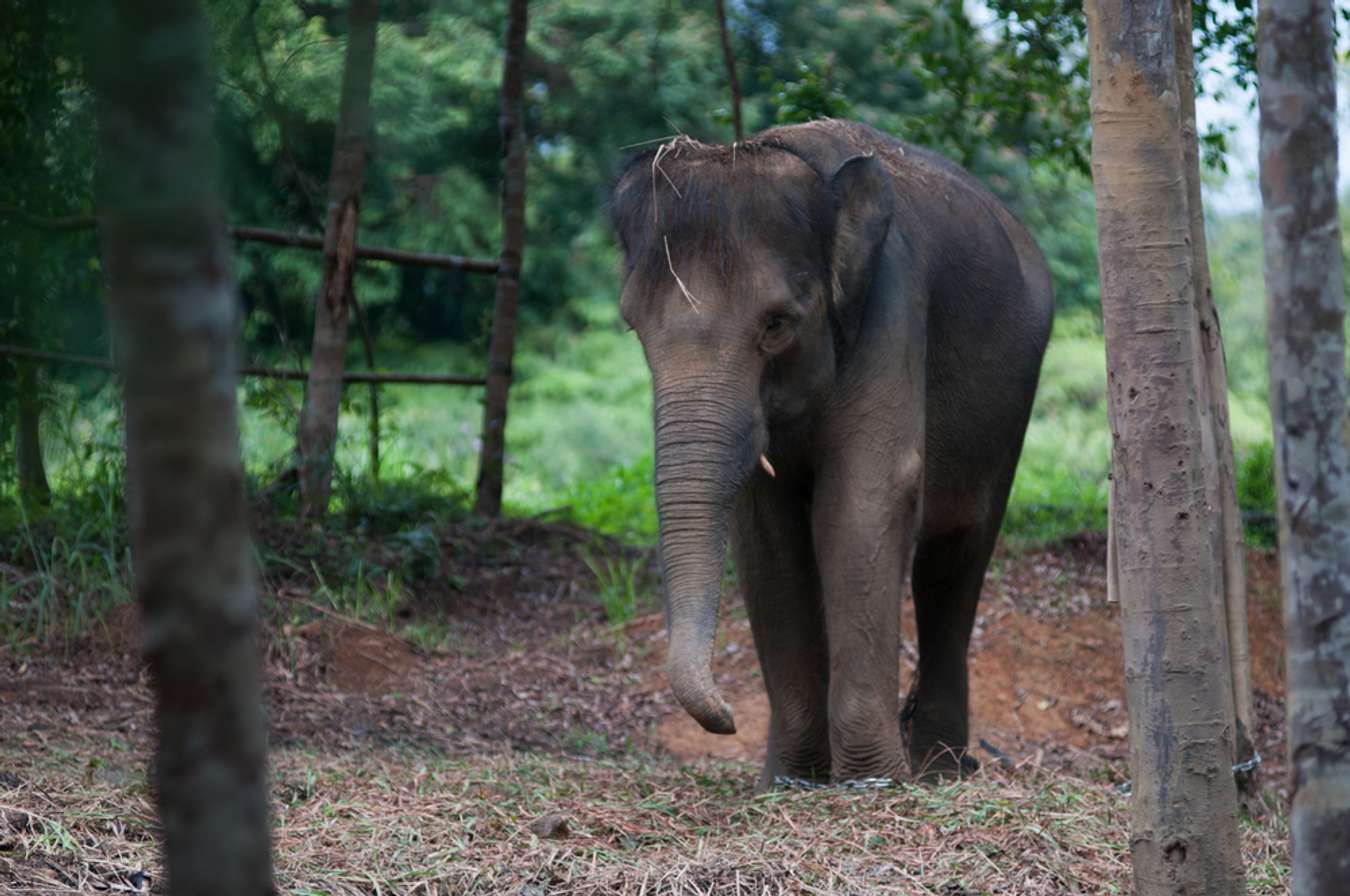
<point>885,763</point>
<point>942,764</point>
<point>801,775</point>
<point>932,758</point>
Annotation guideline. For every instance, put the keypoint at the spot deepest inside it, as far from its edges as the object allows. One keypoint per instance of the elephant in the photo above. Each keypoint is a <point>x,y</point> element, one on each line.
<point>844,333</point>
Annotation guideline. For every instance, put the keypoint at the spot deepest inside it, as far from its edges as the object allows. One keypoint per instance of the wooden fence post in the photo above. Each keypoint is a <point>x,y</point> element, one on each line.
<point>33,487</point>
<point>729,60</point>
<point>317,439</point>
<point>492,456</point>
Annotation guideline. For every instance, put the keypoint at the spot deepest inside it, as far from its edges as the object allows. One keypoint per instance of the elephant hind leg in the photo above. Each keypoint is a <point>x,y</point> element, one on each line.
<point>948,575</point>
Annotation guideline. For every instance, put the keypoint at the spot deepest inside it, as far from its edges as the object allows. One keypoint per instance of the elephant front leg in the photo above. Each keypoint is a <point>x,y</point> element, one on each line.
<point>863,524</point>
<point>771,540</point>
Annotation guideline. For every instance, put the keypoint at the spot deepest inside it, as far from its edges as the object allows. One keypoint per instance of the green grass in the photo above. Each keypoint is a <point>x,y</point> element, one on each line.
<point>66,566</point>
<point>1061,484</point>
<point>579,443</point>
<point>579,447</point>
<point>620,584</point>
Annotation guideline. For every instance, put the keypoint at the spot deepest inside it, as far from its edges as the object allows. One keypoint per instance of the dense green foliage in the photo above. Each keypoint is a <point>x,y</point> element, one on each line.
<point>603,78</point>
<point>45,128</point>
<point>1000,88</point>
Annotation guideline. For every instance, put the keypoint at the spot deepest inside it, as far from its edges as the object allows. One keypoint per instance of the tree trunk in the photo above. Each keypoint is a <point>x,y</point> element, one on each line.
<point>730,61</point>
<point>328,357</point>
<point>1305,305</point>
<point>492,456</point>
<point>174,315</point>
<point>1220,476</point>
<point>1184,837</point>
<point>33,488</point>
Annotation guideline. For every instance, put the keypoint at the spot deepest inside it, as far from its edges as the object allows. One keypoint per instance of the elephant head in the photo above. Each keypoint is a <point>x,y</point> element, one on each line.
<point>746,277</point>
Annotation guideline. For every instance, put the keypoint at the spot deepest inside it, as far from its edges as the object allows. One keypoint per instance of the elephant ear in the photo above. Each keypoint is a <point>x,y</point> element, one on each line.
<point>860,193</point>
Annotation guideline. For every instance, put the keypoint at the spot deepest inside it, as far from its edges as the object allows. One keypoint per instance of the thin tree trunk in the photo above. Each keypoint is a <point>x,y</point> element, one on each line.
<point>33,488</point>
<point>1305,305</point>
<point>368,343</point>
<point>1184,837</point>
<point>174,315</point>
<point>1220,478</point>
<point>730,62</point>
<point>328,356</point>
<point>492,456</point>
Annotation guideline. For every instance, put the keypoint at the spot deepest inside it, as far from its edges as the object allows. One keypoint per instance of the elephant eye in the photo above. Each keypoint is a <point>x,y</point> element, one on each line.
<point>777,332</point>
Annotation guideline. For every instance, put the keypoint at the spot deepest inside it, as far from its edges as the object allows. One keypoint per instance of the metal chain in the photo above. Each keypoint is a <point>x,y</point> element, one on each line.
<point>1124,788</point>
<point>1249,765</point>
<point>1242,768</point>
<point>851,784</point>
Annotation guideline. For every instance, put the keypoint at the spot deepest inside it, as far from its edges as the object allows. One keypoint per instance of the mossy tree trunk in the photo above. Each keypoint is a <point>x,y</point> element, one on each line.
<point>1168,564</point>
<point>492,457</point>
<point>1305,303</point>
<point>174,315</point>
<point>328,355</point>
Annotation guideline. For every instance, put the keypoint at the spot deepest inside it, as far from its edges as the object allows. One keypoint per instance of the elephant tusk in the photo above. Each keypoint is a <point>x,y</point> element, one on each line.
<point>768,467</point>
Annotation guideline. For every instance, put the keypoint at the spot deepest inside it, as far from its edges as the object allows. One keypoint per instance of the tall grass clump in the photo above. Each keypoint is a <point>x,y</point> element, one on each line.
<point>1256,494</point>
<point>620,502</point>
<point>619,580</point>
<point>67,564</point>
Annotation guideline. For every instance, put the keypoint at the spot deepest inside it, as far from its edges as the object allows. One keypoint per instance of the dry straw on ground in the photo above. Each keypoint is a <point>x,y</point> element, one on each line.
<point>400,768</point>
<point>398,821</point>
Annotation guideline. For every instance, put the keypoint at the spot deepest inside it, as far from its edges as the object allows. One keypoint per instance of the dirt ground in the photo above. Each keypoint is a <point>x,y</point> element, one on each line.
<point>1047,683</point>
<point>526,664</point>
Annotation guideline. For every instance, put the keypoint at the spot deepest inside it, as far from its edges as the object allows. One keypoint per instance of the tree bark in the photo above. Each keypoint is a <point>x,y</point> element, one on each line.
<point>1305,305</point>
<point>1184,837</point>
<point>174,315</point>
<point>1220,475</point>
<point>328,356</point>
<point>33,488</point>
<point>730,62</point>
<point>492,456</point>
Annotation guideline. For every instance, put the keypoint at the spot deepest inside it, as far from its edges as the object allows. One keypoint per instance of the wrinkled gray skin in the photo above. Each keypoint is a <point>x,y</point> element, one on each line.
<point>871,320</point>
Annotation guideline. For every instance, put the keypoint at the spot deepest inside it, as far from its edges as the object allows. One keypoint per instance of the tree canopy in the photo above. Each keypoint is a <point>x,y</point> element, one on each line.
<point>1000,88</point>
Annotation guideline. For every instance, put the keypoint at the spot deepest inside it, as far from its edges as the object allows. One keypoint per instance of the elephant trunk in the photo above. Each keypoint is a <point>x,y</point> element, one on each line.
<point>705,447</point>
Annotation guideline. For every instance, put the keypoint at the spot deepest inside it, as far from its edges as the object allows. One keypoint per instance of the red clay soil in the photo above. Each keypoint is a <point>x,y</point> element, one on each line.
<point>1047,682</point>
<point>528,662</point>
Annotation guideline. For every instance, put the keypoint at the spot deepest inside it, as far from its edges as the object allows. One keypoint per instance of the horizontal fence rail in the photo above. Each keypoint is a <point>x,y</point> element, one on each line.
<point>307,241</point>
<point>274,373</point>
<point>370,253</point>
